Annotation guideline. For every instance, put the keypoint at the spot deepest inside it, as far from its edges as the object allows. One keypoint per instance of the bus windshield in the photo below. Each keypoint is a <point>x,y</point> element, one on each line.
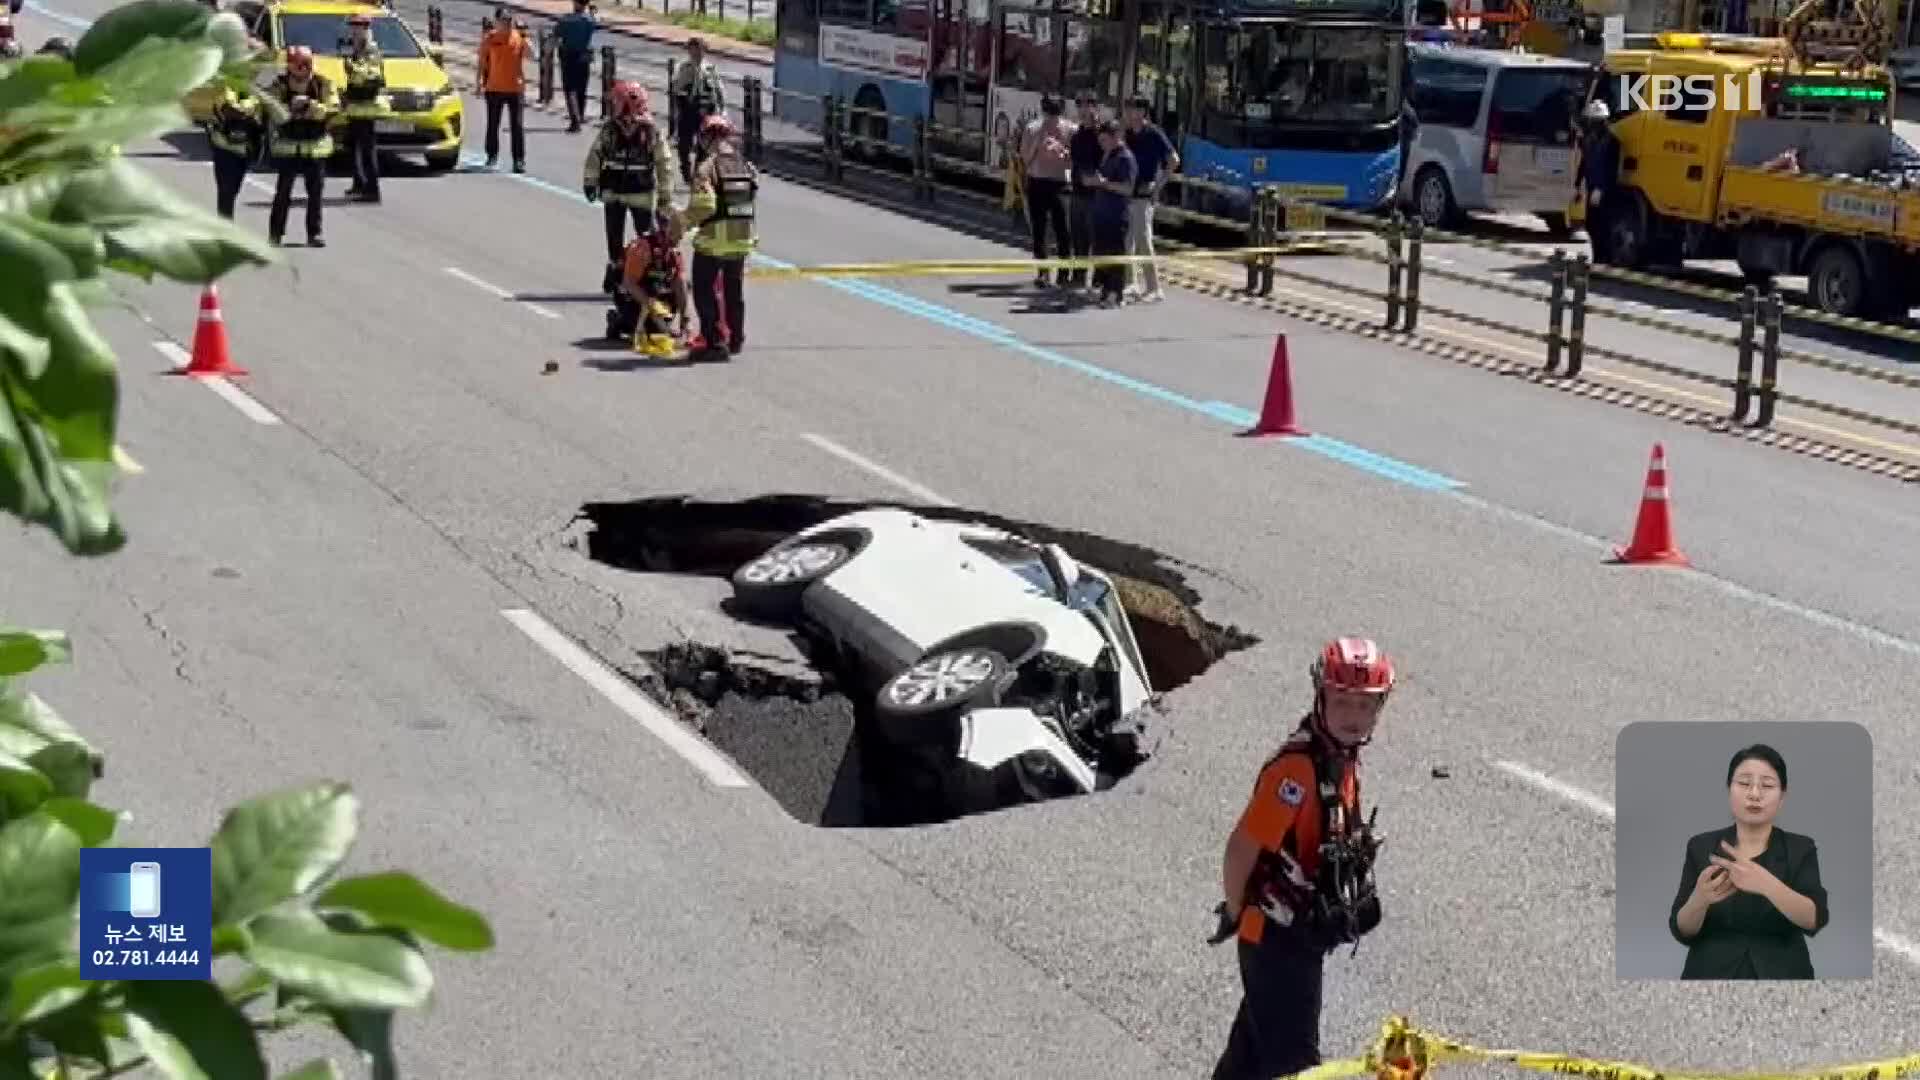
<point>1298,74</point>
<point>327,35</point>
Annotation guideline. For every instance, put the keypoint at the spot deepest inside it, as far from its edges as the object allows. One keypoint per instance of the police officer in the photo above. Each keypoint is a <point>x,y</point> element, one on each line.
<point>721,209</point>
<point>299,101</point>
<point>364,103</point>
<point>629,170</point>
<point>697,93</point>
<point>234,132</point>
<point>1297,872</point>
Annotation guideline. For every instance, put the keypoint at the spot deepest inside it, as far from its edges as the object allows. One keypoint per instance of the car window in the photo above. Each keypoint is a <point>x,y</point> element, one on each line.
<point>1446,93</point>
<point>1537,104</point>
<point>327,35</point>
<point>1023,560</point>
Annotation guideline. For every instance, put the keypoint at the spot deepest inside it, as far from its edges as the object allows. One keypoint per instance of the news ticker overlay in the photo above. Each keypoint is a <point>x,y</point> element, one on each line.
<point>146,913</point>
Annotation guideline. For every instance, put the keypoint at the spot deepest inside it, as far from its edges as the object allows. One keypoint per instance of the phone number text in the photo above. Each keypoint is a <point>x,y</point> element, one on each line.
<point>144,957</point>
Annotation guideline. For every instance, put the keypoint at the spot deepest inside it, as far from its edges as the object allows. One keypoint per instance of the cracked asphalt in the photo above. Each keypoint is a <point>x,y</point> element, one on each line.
<point>324,596</point>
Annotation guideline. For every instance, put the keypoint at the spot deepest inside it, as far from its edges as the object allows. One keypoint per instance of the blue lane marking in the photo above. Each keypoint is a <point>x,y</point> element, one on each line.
<point>74,21</point>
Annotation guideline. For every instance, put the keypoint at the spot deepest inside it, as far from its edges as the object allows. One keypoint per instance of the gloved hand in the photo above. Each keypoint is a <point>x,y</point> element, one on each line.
<point>592,192</point>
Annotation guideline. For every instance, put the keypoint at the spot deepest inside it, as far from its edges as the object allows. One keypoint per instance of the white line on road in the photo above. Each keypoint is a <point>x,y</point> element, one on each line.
<point>628,700</point>
<point>924,494</point>
<point>496,290</point>
<point>234,396</point>
<point>1886,939</point>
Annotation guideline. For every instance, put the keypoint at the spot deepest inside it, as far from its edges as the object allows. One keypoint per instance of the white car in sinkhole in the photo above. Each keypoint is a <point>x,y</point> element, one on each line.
<point>1001,662</point>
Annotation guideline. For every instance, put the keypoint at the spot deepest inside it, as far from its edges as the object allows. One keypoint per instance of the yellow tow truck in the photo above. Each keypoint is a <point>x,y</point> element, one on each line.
<point>1778,153</point>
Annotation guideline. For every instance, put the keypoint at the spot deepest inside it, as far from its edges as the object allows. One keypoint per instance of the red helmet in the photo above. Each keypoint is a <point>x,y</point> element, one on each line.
<point>716,126</point>
<point>629,99</point>
<point>1355,665</point>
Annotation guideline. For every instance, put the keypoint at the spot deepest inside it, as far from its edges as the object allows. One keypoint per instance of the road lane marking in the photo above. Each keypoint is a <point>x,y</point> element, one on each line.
<point>73,21</point>
<point>125,461</point>
<point>1885,939</point>
<point>622,695</point>
<point>918,491</point>
<point>496,290</point>
<point>233,395</point>
<point>1822,618</point>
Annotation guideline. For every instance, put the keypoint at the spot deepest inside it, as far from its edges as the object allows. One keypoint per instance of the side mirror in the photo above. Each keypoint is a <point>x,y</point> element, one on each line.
<point>438,54</point>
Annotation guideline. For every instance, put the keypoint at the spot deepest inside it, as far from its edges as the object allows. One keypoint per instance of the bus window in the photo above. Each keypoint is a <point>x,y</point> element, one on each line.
<point>847,12</point>
<point>1031,52</point>
<point>797,23</point>
<point>1096,52</point>
<point>1261,76</point>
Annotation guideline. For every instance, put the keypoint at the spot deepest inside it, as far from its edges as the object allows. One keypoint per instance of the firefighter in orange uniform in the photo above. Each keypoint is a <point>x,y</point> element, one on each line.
<point>1298,873</point>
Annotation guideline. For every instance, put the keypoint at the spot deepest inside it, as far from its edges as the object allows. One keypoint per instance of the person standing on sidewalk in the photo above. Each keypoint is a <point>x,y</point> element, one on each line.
<point>697,93</point>
<point>503,78</point>
<point>1113,190</point>
<point>1048,165</point>
<point>574,35</point>
<point>1154,160</point>
<point>1087,154</point>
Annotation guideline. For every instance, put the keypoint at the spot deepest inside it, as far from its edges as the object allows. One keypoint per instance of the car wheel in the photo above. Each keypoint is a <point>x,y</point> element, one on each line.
<point>770,586</point>
<point>917,704</point>
<point>1838,283</point>
<point>1433,198</point>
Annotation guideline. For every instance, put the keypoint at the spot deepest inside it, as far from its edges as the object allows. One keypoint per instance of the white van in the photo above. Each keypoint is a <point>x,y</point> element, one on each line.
<point>1496,133</point>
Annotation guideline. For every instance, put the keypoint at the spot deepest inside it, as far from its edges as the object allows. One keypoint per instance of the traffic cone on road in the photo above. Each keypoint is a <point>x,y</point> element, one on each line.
<point>1653,530</point>
<point>210,354</point>
<point>1276,412</point>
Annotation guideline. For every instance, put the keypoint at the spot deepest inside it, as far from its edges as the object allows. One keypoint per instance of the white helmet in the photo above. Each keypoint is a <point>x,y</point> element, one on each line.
<point>1596,110</point>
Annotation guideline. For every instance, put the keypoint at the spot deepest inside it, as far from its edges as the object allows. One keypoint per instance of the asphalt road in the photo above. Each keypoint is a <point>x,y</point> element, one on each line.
<point>324,595</point>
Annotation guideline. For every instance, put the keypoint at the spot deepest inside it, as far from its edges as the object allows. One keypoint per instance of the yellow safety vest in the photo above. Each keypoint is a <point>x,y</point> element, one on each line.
<point>722,206</point>
<point>366,78</point>
<point>302,136</point>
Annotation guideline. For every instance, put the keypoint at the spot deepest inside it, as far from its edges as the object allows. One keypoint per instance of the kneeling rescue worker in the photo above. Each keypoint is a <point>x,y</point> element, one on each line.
<point>1298,868</point>
<point>299,101</point>
<point>721,208</point>
<point>651,305</point>
<point>629,170</point>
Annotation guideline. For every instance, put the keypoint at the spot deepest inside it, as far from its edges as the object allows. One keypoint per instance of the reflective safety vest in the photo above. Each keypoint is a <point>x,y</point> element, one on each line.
<point>303,136</point>
<point>624,166</point>
<point>236,123</point>
<point>366,78</point>
<point>723,206</point>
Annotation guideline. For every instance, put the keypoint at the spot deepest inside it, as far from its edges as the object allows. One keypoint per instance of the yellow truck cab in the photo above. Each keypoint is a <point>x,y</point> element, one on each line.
<point>1741,148</point>
<point>427,116</point>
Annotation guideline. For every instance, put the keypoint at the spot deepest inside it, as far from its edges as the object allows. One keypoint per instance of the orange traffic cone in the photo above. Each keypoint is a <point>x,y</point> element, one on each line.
<point>1653,530</point>
<point>1276,412</point>
<point>210,354</point>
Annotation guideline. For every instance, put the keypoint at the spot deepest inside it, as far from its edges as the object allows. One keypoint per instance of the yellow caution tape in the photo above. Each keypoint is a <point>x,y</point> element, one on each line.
<point>1404,1052</point>
<point>975,267</point>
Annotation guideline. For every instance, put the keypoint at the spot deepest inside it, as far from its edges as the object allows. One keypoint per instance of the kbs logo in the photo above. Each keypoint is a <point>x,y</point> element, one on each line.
<point>1672,93</point>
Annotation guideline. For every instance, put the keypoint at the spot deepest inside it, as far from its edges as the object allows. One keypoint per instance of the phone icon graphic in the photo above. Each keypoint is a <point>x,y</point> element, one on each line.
<point>143,890</point>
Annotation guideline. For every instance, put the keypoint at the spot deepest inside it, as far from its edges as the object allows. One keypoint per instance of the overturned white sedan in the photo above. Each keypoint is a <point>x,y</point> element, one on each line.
<point>1003,665</point>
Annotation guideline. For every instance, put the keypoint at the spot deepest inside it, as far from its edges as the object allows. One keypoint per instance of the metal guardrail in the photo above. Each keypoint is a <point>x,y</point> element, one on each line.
<point>1756,346</point>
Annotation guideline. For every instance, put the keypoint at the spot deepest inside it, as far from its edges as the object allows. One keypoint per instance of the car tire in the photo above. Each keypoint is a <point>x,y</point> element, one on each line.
<point>922,703</point>
<point>1433,198</point>
<point>770,585</point>
<point>1837,282</point>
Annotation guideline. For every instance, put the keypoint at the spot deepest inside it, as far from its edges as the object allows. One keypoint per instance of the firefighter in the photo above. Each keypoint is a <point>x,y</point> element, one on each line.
<point>651,305</point>
<point>364,103</point>
<point>299,101</point>
<point>234,132</point>
<point>629,171</point>
<point>721,209</point>
<point>1297,872</point>
<point>697,93</point>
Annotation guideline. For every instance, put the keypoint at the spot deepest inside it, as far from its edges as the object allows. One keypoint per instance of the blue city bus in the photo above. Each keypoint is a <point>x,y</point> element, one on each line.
<point>1304,94</point>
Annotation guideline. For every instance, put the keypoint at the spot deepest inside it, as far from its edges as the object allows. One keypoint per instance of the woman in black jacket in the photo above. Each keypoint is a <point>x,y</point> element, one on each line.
<point>1750,893</point>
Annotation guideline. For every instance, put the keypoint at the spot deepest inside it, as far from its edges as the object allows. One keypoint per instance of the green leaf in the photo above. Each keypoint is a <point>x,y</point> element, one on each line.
<point>14,1062</point>
<point>317,1069</point>
<point>191,1031</point>
<point>76,137</point>
<point>68,765</point>
<point>33,80</point>
<point>158,70</point>
<point>370,1031</point>
<point>22,787</point>
<point>122,29</point>
<point>230,939</point>
<point>339,970</point>
<point>23,650</point>
<point>276,847</point>
<point>400,900</point>
<point>147,223</point>
<point>44,990</point>
<point>39,891</point>
<point>94,824</point>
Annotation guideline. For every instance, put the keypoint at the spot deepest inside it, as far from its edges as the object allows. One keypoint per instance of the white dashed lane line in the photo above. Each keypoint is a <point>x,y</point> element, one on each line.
<point>228,392</point>
<point>483,286</point>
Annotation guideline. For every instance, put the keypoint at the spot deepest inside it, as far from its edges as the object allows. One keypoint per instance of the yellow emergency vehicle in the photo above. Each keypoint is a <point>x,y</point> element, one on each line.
<point>1778,153</point>
<point>427,116</point>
